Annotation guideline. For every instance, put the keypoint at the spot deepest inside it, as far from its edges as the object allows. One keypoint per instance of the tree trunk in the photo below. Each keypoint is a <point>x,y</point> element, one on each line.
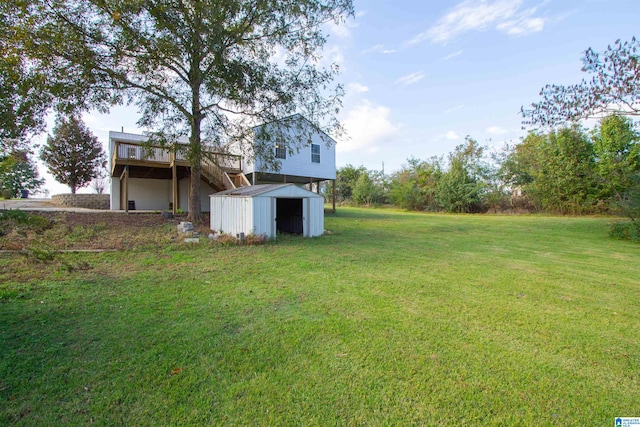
<point>195,208</point>
<point>195,141</point>
<point>195,158</point>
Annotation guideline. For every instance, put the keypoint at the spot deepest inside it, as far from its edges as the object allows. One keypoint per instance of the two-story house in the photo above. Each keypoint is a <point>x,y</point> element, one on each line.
<point>311,160</point>
<point>153,178</point>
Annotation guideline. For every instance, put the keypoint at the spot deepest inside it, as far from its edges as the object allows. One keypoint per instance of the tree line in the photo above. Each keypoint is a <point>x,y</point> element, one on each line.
<point>570,170</point>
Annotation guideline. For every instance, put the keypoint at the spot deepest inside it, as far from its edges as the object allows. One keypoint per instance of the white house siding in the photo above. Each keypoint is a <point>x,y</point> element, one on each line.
<point>149,194</point>
<point>205,191</point>
<point>114,201</point>
<point>183,194</point>
<point>300,164</point>
<point>155,194</point>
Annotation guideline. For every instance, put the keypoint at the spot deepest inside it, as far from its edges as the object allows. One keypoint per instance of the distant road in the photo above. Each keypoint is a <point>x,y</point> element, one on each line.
<point>45,205</point>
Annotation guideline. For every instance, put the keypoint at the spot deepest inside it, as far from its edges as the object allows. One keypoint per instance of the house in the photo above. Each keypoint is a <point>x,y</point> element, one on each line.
<point>156,178</point>
<point>153,178</point>
<point>266,209</point>
<point>310,160</point>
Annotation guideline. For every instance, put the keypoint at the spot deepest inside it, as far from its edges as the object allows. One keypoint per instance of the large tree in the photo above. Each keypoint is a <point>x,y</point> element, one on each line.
<point>22,100</point>
<point>73,154</point>
<point>613,88</point>
<point>17,170</point>
<point>414,185</point>
<point>346,178</point>
<point>205,69</point>
<point>31,85</point>
<point>617,151</point>
<point>556,170</point>
<point>461,187</point>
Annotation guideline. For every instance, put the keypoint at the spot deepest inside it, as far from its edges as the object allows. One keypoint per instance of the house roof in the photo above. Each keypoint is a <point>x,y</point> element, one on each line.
<point>283,190</point>
<point>298,116</point>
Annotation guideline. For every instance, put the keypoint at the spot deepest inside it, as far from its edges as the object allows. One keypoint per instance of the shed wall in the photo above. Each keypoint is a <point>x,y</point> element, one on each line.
<point>232,215</point>
<point>256,214</point>
<point>315,217</point>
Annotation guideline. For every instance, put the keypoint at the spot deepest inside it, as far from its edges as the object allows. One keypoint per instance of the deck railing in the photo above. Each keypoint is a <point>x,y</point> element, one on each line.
<point>125,151</point>
<point>225,161</point>
<point>147,154</point>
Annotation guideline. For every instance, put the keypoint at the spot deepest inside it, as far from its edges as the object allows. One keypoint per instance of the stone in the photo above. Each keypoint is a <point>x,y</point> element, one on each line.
<point>185,226</point>
<point>167,215</point>
<point>192,240</point>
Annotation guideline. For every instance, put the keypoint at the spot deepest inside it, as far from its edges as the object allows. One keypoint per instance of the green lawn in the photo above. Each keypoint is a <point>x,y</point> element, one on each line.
<point>392,319</point>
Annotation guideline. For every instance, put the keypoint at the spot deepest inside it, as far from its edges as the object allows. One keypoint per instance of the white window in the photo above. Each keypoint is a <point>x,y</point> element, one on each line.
<point>315,153</point>
<point>281,152</point>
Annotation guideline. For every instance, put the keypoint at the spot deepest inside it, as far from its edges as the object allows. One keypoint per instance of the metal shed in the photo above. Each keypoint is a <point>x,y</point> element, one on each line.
<point>268,209</point>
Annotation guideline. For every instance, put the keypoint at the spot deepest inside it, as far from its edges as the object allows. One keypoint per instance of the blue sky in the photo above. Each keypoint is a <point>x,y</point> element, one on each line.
<point>421,75</point>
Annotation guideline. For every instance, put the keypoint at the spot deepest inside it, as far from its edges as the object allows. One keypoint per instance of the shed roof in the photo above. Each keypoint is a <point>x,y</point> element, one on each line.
<point>283,190</point>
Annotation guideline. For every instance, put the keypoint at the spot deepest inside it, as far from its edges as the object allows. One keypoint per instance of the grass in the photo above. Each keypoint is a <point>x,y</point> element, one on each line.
<point>392,319</point>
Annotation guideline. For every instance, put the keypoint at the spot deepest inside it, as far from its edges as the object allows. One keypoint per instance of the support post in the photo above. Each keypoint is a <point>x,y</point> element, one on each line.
<point>188,187</point>
<point>333,195</point>
<point>126,189</point>
<point>174,185</point>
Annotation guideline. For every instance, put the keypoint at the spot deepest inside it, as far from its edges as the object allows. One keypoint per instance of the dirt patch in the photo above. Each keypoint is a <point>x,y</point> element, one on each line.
<point>99,230</point>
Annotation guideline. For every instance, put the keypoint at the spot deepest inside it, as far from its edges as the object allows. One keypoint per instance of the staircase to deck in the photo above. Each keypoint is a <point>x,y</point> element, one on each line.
<point>221,177</point>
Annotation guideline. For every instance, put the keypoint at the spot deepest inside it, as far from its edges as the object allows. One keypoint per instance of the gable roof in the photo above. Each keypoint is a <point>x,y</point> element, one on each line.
<point>298,116</point>
<point>283,190</point>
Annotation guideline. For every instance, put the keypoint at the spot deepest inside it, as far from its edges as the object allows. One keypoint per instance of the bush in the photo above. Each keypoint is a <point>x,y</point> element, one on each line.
<point>625,231</point>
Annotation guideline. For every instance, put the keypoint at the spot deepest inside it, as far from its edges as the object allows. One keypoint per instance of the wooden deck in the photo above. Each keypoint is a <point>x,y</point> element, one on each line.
<point>220,170</point>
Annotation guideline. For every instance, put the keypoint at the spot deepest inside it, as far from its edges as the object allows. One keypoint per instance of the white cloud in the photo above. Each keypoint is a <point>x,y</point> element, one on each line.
<point>410,79</point>
<point>496,130</point>
<point>452,109</point>
<point>355,88</point>
<point>451,135</point>
<point>522,27</point>
<point>453,54</point>
<point>368,125</point>
<point>342,29</point>
<point>379,48</point>
<point>481,15</point>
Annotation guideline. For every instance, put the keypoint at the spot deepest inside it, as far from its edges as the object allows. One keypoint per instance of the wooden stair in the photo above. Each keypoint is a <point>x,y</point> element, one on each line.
<point>237,180</point>
<point>221,179</point>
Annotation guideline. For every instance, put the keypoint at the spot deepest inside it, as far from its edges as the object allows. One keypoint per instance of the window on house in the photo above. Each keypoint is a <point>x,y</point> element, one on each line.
<point>315,153</point>
<point>281,152</point>
<point>132,153</point>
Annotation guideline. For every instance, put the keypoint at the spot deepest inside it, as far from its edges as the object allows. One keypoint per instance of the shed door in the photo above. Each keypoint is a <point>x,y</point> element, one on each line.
<point>289,216</point>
